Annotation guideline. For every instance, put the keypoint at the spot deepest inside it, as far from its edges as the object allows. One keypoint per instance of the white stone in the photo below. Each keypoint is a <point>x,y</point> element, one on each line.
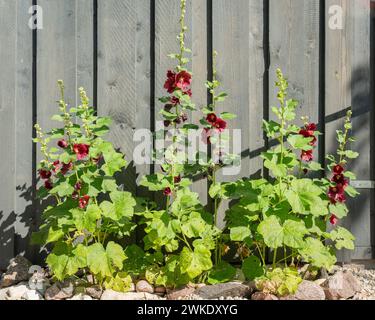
<point>17,292</point>
<point>114,295</point>
<point>32,295</point>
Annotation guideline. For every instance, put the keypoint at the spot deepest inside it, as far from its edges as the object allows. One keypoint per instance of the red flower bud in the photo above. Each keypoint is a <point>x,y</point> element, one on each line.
<point>48,184</point>
<point>78,185</point>
<point>66,167</point>
<point>333,220</point>
<point>62,144</point>
<point>167,192</point>
<point>177,179</point>
<point>211,118</point>
<point>337,169</point>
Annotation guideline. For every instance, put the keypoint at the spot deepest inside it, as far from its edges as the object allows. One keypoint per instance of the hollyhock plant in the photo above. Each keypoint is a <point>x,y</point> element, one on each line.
<point>285,217</point>
<point>84,196</point>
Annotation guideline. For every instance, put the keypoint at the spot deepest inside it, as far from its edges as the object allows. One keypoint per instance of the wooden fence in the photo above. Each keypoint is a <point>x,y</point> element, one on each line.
<point>117,50</point>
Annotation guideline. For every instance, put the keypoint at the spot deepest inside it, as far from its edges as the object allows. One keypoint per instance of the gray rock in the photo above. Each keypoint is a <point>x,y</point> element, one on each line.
<point>114,295</point>
<point>80,296</point>
<point>18,270</point>
<point>263,296</point>
<point>32,295</point>
<point>94,292</point>
<point>307,290</point>
<point>17,292</point>
<point>39,282</point>
<point>144,286</point>
<point>230,289</point>
<point>60,290</point>
<point>342,285</point>
<point>180,293</point>
<point>3,294</point>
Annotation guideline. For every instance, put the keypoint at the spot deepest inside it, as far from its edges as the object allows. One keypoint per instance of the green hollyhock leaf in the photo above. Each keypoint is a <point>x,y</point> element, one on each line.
<point>121,282</point>
<point>63,189</point>
<point>65,260</point>
<point>339,210</point>
<point>115,254</point>
<point>215,190</point>
<point>315,166</point>
<point>155,182</point>
<point>352,192</point>
<point>317,254</point>
<point>300,142</point>
<point>114,162</point>
<point>239,233</point>
<point>221,273</point>
<point>194,226</point>
<point>343,238</point>
<point>97,260</point>
<point>124,204</point>
<point>227,116</point>
<point>271,231</point>
<point>193,263</point>
<point>252,268</point>
<point>109,185</point>
<point>294,233</point>
<point>271,128</point>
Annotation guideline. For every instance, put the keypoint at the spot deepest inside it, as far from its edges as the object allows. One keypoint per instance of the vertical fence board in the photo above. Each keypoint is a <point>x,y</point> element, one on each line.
<point>117,91</point>
<point>294,47</point>
<point>362,105</point>
<point>200,51</point>
<point>8,13</point>
<point>24,204</point>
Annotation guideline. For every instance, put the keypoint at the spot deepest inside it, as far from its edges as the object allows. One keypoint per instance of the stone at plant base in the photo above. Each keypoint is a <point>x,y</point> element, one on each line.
<point>16,292</point>
<point>307,290</point>
<point>263,296</point>
<point>18,270</point>
<point>342,285</point>
<point>3,294</point>
<point>114,295</point>
<point>144,286</point>
<point>81,296</point>
<point>32,295</point>
<point>94,292</point>
<point>39,282</point>
<point>60,290</point>
<point>230,289</point>
<point>180,293</point>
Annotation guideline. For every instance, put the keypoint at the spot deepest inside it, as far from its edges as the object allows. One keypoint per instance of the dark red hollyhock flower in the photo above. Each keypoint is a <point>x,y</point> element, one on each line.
<point>81,150</point>
<point>170,83</point>
<point>336,194</point>
<point>167,123</point>
<point>84,201</point>
<point>56,166</point>
<point>333,220</point>
<point>48,184</point>
<point>78,185</point>
<point>62,143</point>
<point>167,191</point>
<point>305,171</point>
<point>177,179</point>
<point>45,174</point>
<point>66,167</point>
<point>183,80</point>
<point>311,127</point>
<point>211,118</point>
<point>307,156</point>
<point>178,120</point>
<point>337,169</point>
<point>340,179</point>
<point>220,124</point>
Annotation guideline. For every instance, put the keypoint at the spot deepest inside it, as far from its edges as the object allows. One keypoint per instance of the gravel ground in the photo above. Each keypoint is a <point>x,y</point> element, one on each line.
<point>367,280</point>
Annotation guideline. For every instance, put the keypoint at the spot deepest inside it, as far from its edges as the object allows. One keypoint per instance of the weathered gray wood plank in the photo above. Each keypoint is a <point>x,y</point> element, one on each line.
<point>238,38</point>
<point>23,202</point>
<point>8,13</point>
<point>294,47</point>
<point>117,88</point>
<point>199,34</point>
<point>363,108</point>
